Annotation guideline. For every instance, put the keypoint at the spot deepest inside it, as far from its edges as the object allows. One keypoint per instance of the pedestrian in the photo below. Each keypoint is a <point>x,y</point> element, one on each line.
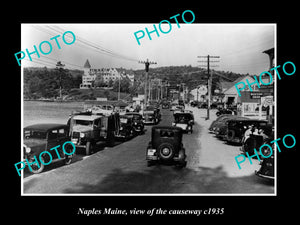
<point>247,133</point>
<point>262,133</point>
<point>255,132</point>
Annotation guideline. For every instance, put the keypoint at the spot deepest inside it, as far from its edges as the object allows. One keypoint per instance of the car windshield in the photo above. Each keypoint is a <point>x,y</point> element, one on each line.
<point>35,134</point>
<point>83,122</point>
<point>182,118</point>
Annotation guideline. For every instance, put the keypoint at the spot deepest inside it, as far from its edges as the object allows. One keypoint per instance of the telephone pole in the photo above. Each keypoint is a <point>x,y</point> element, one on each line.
<point>209,79</point>
<point>60,68</point>
<point>147,64</point>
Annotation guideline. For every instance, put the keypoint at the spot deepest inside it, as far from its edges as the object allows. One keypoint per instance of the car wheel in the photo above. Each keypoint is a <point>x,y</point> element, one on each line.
<point>166,151</point>
<point>35,169</point>
<point>230,135</point>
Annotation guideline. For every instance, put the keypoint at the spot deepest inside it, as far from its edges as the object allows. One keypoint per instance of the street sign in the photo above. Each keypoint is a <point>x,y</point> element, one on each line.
<point>256,94</point>
<point>267,100</point>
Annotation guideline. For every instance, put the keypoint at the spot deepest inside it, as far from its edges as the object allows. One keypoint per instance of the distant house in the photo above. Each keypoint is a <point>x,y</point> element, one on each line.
<point>230,92</point>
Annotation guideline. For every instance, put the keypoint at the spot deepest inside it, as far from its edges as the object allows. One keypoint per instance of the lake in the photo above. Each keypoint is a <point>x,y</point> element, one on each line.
<point>48,112</point>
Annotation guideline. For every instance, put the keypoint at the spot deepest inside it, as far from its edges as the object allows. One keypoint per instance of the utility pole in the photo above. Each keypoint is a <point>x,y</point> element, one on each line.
<point>59,67</point>
<point>209,80</point>
<point>147,63</point>
<point>119,89</point>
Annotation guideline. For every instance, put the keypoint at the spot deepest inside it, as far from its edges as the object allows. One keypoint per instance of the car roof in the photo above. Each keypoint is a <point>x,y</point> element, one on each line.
<point>46,126</point>
<point>87,117</point>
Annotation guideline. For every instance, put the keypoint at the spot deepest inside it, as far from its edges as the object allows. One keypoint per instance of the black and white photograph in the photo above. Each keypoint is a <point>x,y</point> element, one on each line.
<point>135,109</point>
<point>150,111</point>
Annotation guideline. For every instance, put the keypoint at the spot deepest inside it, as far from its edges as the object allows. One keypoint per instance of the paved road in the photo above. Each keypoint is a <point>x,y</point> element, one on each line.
<point>122,169</point>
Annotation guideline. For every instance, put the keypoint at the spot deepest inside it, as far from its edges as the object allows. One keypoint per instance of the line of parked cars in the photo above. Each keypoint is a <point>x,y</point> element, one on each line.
<point>85,129</point>
<point>250,134</point>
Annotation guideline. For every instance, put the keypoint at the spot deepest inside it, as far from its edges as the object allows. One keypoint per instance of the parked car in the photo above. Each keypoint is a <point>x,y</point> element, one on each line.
<point>138,124</point>
<point>178,108</point>
<point>149,117</point>
<point>257,140</point>
<point>222,111</point>
<point>165,105</point>
<point>237,127</point>
<point>194,103</point>
<point>87,130</point>
<point>173,106</point>
<point>156,110</point>
<point>181,102</point>
<point>220,120</point>
<point>184,121</point>
<point>166,146</point>
<point>126,127</point>
<point>42,137</point>
<point>221,128</point>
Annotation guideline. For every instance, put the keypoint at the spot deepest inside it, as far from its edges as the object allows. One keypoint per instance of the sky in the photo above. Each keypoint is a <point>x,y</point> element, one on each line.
<point>239,46</point>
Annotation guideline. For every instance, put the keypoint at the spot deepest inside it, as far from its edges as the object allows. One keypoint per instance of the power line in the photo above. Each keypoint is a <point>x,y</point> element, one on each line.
<point>95,46</point>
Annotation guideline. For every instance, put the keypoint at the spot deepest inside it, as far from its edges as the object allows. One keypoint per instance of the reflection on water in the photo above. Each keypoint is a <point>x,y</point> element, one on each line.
<point>48,112</point>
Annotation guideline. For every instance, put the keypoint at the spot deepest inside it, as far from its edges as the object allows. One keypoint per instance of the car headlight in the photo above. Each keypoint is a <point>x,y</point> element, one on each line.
<point>82,135</point>
<point>27,149</point>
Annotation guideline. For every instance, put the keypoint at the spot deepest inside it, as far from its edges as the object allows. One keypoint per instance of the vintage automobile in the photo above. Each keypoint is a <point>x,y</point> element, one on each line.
<point>257,140</point>
<point>42,137</point>
<point>156,111</point>
<point>220,129</point>
<point>184,120</point>
<point>126,129</point>
<point>216,122</point>
<point>166,146</point>
<point>149,117</point>
<point>87,130</point>
<point>222,111</point>
<point>177,108</point>
<point>165,105</point>
<point>237,127</point>
<point>138,125</point>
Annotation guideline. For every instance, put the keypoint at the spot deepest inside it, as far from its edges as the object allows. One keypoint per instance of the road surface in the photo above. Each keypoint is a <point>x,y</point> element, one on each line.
<point>122,169</point>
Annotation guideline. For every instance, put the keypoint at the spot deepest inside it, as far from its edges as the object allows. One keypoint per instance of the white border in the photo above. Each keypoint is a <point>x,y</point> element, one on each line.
<point>165,194</point>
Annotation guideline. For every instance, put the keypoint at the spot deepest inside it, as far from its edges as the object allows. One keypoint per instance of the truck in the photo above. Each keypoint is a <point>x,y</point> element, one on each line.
<point>86,129</point>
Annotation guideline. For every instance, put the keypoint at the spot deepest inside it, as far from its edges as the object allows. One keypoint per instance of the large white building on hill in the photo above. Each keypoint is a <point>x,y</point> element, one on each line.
<point>102,74</point>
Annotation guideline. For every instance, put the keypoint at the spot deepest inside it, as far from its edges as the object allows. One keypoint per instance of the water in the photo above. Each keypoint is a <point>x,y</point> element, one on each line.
<point>48,112</point>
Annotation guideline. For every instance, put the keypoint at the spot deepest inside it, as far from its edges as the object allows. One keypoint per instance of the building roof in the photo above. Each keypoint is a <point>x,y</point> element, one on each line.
<point>87,64</point>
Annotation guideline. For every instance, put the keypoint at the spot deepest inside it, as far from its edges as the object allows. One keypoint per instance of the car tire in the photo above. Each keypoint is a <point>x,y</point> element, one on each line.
<point>230,135</point>
<point>35,169</point>
<point>166,151</point>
